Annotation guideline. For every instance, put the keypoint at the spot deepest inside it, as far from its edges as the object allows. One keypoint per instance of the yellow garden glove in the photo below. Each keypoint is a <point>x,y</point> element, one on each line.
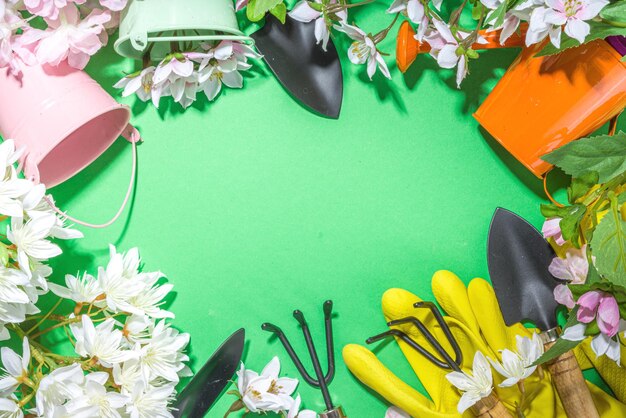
<point>472,335</point>
<point>487,314</point>
<point>613,374</point>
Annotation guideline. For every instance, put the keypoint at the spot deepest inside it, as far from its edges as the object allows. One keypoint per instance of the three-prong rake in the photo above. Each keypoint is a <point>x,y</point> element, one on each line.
<point>320,380</point>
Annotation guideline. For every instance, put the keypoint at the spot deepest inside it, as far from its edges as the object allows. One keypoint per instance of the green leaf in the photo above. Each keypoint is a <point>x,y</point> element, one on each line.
<point>604,154</point>
<point>599,30</point>
<point>570,222</point>
<point>319,7</point>
<point>609,247</point>
<point>592,329</point>
<point>257,9</point>
<point>496,17</point>
<point>615,12</point>
<point>280,12</point>
<point>581,185</point>
<point>560,347</point>
<point>593,276</point>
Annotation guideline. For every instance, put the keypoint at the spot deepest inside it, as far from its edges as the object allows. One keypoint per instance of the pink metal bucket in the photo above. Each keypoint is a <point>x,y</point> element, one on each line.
<point>62,118</point>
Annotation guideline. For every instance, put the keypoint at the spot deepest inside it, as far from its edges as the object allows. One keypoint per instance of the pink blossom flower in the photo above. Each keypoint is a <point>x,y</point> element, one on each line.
<point>241,4</point>
<point>115,5</point>
<point>68,37</point>
<point>563,295</point>
<point>552,229</point>
<point>48,8</point>
<point>573,268</point>
<point>602,307</point>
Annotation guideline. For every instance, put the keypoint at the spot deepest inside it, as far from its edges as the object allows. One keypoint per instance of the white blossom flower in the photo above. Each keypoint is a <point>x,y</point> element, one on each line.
<point>518,366</point>
<point>58,387</point>
<point>473,387</point>
<point>573,14</point>
<point>10,408</point>
<point>102,342</point>
<point>117,288</point>
<point>15,367</point>
<point>294,410</point>
<point>96,400</point>
<point>573,268</point>
<point>127,374</point>
<point>416,12</point>
<point>8,154</point>
<point>149,401</point>
<point>162,356</point>
<point>30,240</point>
<point>11,190</point>
<point>85,289</point>
<point>140,83</point>
<point>363,50</point>
<point>267,391</point>
<point>446,50</point>
<point>303,12</point>
<point>11,286</point>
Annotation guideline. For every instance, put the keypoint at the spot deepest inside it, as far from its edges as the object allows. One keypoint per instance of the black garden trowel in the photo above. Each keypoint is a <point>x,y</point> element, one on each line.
<point>518,257</point>
<point>312,76</point>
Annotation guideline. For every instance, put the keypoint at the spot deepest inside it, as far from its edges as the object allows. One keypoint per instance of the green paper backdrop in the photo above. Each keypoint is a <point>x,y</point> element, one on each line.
<point>253,206</point>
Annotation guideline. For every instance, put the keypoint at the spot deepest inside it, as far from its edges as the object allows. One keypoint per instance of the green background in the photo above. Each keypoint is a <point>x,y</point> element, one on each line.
<point>253,206</point>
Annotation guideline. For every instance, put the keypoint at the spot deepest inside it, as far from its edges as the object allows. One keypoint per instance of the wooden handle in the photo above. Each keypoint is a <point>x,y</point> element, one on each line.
<point>490,407</point>
<point>570,385</point>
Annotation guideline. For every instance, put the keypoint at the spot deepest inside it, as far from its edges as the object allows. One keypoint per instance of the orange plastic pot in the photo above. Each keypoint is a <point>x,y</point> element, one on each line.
<point>408,48</point>
<point>542,103</point>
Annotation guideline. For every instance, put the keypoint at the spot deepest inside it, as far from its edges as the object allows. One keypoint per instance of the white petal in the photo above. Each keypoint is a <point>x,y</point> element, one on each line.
<point>303,12</point>
<point>577,29</point>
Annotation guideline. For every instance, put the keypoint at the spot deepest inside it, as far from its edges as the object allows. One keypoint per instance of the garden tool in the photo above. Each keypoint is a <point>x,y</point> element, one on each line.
<point>518,258</point>
<point>209,383</point>
<point>476,323</point>
<point>399,304</point>
<point>489,406</point>
<point>543,103</point>
<point>320,380</point>
<point>478,308</point>
<point>408,48</point>
<point>149,27</point>
<point>312,76</point>
<point>63,120</point>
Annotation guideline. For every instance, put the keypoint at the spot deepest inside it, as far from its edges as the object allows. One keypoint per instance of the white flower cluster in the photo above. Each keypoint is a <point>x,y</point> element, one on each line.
<point>545,19</point>
<point>23,271</point>
<point>129,359</point>
<point>515,367</point>
<point>267,392</point>
<point>182,75</point>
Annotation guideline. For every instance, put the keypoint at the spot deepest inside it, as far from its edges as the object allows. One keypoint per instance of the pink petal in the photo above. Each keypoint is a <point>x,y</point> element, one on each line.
<point>588,306</point>
<point>563,295</point>
<point>608,316</point>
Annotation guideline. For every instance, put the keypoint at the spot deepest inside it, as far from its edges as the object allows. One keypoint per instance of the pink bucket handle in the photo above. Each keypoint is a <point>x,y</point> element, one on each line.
<point>131,134</point>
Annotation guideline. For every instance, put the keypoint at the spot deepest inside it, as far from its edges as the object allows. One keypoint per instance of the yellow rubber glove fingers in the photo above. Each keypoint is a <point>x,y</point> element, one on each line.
<point>398,303</point>
<point>372,373</point>
<point>607,405</point>
<point>611,372</point>
<point>487,312</point>
<point>451,294</point>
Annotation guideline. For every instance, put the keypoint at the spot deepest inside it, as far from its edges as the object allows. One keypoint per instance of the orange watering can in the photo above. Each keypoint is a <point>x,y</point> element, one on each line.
<point>542,103</point>
<point>408,48</point>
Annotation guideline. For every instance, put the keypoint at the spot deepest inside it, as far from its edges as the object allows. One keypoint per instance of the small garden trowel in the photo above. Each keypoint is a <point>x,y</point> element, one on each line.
<point>312,76</point>
<point>518,257</point>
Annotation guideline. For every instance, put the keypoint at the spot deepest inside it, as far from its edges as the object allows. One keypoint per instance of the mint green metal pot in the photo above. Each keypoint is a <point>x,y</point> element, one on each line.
<point>150,27</point>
